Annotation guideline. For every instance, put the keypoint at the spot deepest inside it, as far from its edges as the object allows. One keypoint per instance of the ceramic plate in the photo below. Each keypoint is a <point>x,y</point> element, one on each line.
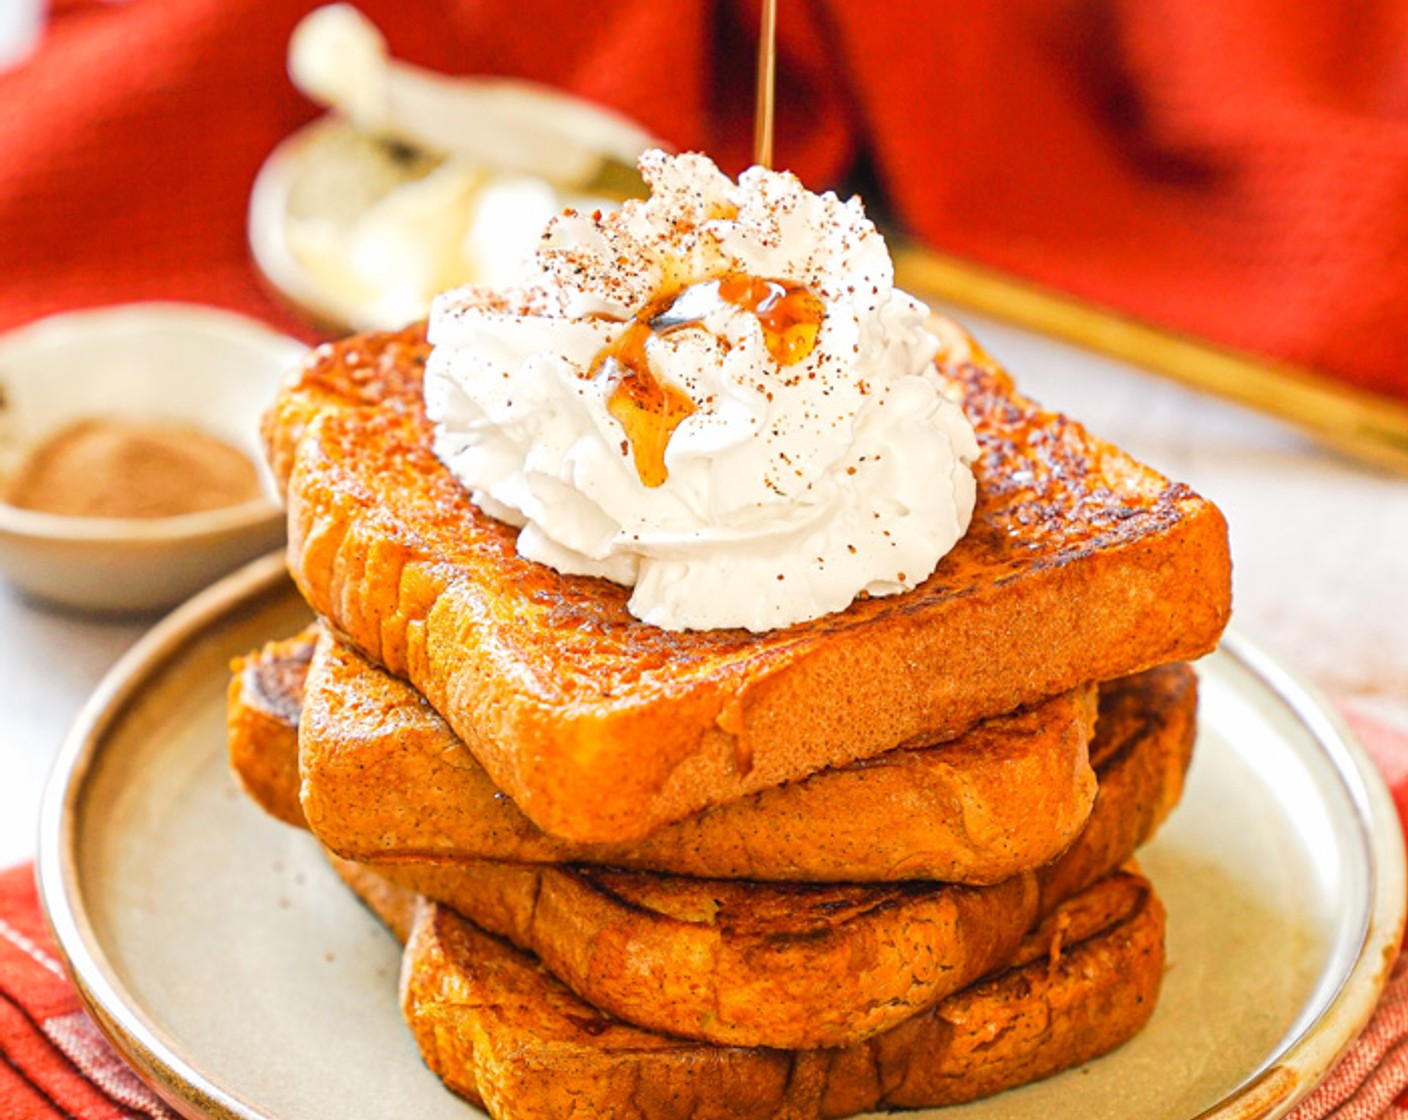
<point>221,955</point>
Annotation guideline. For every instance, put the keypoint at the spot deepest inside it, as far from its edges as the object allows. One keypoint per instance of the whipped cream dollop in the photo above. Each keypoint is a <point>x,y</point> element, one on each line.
<point>715,395</point>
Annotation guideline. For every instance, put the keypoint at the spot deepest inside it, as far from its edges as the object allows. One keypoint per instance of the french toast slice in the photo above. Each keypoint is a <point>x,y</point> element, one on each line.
<point>798,966</point>
<point>1081,564</point>
<point>265,704</point>
<point>1143,745</point>
<point>502,1032</point>
<point>805,965</point>
<point>383,778</point>
<point>787,966</point>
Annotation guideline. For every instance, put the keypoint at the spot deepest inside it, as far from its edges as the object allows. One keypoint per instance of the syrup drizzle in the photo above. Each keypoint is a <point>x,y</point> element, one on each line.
<point>648,408</point>
<point>789,314</point>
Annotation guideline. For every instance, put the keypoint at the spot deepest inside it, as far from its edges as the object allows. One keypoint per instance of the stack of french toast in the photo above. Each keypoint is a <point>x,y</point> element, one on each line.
<point>881,859</point>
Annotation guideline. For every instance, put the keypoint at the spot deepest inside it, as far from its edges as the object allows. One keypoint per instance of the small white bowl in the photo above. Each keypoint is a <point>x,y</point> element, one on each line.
<point>329,176</point>
<point>161,362</point>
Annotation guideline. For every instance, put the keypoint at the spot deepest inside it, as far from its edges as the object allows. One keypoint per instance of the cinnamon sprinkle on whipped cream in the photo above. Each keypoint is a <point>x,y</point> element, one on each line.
<point>715,396</point>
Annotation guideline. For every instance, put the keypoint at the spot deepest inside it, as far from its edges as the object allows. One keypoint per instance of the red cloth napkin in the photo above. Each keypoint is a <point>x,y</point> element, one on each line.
<point>53,1061</point>
<point>1236,170</point>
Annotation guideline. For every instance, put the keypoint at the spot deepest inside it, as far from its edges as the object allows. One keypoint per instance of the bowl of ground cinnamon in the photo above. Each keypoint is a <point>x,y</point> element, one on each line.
<point>130,469</point>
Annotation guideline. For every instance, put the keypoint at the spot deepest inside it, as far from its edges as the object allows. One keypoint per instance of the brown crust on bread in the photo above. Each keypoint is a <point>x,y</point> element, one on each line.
<point>264,701</point>
<point>806,965</point>
<point>499,1029</point>
<point>1156,706</point>
<point>793,966</point>
<point>1070,995</point>
<point>384,779</point>
<point>1080,565</point>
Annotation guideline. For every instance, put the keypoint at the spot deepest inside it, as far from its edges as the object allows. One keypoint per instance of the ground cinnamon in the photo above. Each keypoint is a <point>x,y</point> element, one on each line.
<point>116,468</point>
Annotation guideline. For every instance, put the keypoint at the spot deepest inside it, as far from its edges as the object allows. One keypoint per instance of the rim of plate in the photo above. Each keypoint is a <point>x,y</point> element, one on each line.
<point>156,1058</point>
<point>1286,1078</point>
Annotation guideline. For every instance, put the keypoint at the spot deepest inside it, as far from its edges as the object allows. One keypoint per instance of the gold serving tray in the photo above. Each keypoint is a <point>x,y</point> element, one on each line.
<point>1363,425</point>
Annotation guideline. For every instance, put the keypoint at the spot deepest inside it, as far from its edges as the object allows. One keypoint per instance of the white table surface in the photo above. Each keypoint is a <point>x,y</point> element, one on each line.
<point>1320,553</point>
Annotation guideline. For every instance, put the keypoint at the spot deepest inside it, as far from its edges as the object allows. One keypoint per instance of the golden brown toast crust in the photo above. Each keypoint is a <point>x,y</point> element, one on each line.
<point>791,966</point>
<point>1139,786</point>
<point>797,966</point>
<point>264,701</point>
<point>499,1029</point>
<point>1080,565</point>
<point>385,779</point>
<point>810,964</point>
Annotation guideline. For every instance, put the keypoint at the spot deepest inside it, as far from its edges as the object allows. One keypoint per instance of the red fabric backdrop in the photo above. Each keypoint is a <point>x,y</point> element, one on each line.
<point>1237,170</point>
